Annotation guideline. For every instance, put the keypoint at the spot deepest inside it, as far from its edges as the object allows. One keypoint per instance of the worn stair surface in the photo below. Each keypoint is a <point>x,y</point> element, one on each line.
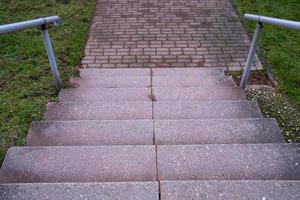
<point>160,133</point>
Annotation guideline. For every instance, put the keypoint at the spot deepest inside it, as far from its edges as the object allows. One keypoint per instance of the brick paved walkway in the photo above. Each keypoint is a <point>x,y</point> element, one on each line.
<point>166,33</point>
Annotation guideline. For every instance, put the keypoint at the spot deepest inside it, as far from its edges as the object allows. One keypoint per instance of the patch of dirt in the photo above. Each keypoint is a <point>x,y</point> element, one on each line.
<point>257,77</point>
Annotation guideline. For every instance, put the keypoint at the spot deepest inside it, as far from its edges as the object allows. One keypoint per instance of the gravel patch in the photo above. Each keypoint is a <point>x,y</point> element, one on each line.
<point>275,105</point>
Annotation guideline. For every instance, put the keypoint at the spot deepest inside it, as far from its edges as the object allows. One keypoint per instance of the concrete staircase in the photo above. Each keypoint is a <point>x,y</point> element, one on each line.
<point>149,134</point>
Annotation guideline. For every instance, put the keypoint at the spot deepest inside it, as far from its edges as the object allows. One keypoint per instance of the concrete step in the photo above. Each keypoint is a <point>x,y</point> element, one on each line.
<point>229,162</point>
<point>144,94</point>
<point>105,94</point>
<point>198,93</point>
<point>230,190</point>
<point>98,110</point>
<point>79,164</point>
<point>140,132</point>
<point>192,81</point>
<point>188,72</point>
<point>75,133</point>
<point>80,191</point>
<point>205,109</point>
<point>217,131</point>
<point>100,73</point>
<point>113,82</point>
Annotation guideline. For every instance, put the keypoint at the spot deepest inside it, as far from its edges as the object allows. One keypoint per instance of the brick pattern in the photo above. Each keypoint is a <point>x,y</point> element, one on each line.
<point>166,33</point>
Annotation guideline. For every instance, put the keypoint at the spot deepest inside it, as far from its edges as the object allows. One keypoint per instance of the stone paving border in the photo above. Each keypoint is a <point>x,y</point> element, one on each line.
<point>166,33</point>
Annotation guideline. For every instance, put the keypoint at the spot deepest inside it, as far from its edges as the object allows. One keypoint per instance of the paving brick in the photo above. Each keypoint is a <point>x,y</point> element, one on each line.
<point>104,94</point>
<point>73,133</point>
<point>79,164</point>
<point>79,191</point>
<point>174,27</point>
<point>229,162</point>
<point>205,109</point>
<point>217,131</point>
<point>230,190</point>
<point>98,111</point>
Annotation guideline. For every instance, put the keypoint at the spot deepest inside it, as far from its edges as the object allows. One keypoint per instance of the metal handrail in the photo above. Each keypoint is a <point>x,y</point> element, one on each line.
<point>261,20</point>
<point>43,24</point>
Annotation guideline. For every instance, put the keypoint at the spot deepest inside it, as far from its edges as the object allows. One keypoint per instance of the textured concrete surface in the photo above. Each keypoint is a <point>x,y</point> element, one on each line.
<point>209,142</point>
<point>198,93</point>
<point>80,191</point>
<point>205,109</point>
<point>190,81</point>
<point>230,190</point>
<point>229,162</point>
<point>105,94</point>
<point>170,33</point>
<point>187,71</point>
<point>116,72</point>
<point>98,111</point>
<point>100,73</point>
<point>68,133</point>
<point>113,82</point>
<point>79,164</point>
<point>217,131</point>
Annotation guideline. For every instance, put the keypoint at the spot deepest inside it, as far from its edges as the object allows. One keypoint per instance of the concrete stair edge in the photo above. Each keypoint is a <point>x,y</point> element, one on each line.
<point>79,191</point>
<point>219,190</point>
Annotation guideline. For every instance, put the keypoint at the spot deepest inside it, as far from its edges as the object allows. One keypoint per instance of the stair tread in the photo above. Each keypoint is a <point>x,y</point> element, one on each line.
<point>187,71</point>
<point>98,110</point>
<point>79,191</point>
<point>205,109</point>
<point>230,190</point>
<point>105,94</point>
<point>229,162</point>
<point>198,93</point>
<point>114,82</point>
<point>140,132</point>
<point>106,132</point>
<point>189,81</point>
<point>217,131</point>
<point>99,73</point>
<point>79,164</point>
<point>145,94</point>
<point>96,72</point>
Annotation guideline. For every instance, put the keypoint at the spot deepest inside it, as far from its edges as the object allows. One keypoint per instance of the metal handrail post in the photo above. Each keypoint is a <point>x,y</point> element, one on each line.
<point>260,21</point>
<point>51,57</point>
<point>251,54</point>
<point>43,23</point>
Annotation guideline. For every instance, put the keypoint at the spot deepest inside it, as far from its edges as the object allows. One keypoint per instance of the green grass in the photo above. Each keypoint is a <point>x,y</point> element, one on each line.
<point>26,84</point>
<point>279,47</point>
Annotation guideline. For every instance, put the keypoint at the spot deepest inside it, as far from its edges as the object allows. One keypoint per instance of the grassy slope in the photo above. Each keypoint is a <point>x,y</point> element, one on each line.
<point>279,47</point>
<point>25,79</point>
